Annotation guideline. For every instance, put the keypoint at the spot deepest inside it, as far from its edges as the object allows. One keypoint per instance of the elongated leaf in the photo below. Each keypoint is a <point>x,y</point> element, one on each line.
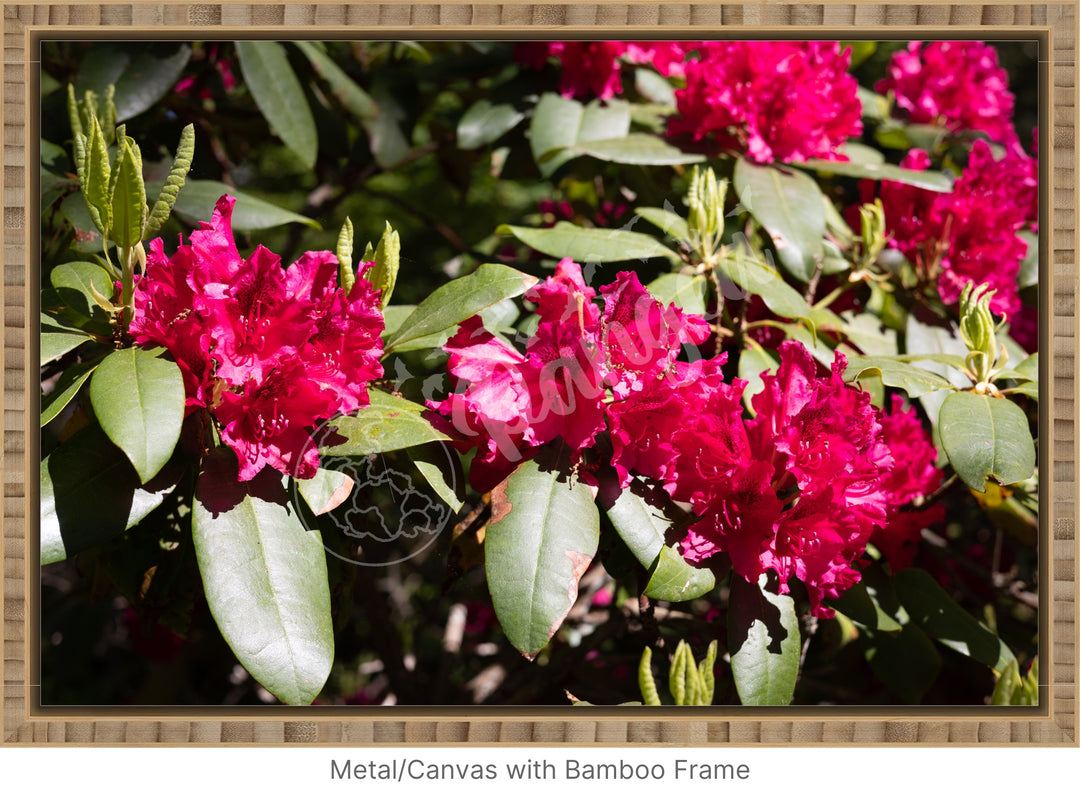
<point>559,123</point>
<point>672,224</point>
<point>636,149</point>
<point>483,123</point>
<point>764,643</point>
<point>197,201</point>
<point>894,372</point>
<point>57,341</point>
<point>326,490</point>
<point>265,579</point>
<point>935,611</point>
<point>905,660</point>
<point>986,437</point>
<point>138,397</point>
<point>782,299</point>
<point>541,538</point>
<point>924,179</point>
<point>71,381</point>
<point>128,195</point>
<point>166,198</point>
<point>642,528</point>
<point>358,102</point>
<point>76,283</point>
<point>95,179</point>
<point>459,300</point>
<point>388,423</point>
<point>685,291</point>
<point>789,205</point>
<point>89,494</point>
<point>279,96</point>
<point>590,244</point>
<point>754,361</point>
<point>141,79</point>
<point>864,609</point>
<point>441,467</point>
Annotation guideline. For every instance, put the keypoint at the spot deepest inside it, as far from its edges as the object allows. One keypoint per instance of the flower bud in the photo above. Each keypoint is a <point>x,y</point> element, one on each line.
<point>706,201</point>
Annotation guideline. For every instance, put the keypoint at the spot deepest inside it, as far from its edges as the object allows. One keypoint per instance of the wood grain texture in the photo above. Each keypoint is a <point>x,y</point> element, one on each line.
<point>1057,724</point>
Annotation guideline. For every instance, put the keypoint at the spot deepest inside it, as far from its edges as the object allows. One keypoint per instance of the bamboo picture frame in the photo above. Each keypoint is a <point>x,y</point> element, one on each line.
<point>1054,721</point>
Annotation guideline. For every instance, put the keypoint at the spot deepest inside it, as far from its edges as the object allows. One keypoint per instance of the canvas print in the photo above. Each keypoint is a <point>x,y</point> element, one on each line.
<point>560,373</point>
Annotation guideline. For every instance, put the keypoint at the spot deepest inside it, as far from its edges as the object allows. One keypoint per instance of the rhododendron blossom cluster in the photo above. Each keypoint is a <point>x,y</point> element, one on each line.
<point>775,101</point>
<point>800,489</point>
<point>268,351</point>
<point>971,233</point>
<point>958,85</point>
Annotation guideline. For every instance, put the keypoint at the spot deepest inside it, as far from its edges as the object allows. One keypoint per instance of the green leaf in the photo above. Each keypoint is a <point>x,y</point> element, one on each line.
<point>985,436</point>
<point>57,341</point>
<point>456,301</point>
<point>754,361</point>
<point>935,611</point>
<point>76,283</point>
<point>905,660</point>
<point>383,276</point>
<point>388,423</point>
<point>558,123</point>
<point>138,397</point>
<point>894,372</point>
<point>782,299</point>
<point>141,79</point>
<point>685,291</point>
<point>95,178</point>
<point>69,384</point>
<point>89,494</point>
<point>326,490</point>
<point>279,96</point>
<point>128,195</point>
<point>389,143</point>
<point>542,535</point>
<point>352,97</point>
<point>672,224</point>
<point>590,244</point>
<point>483,123</point>
<point>636,149</point>
<point>198,199</point>
<point>265,579</point>
<point>655,87</point>
<point>166,198</point>
<point>87,237</point>
<point>924,179</point>
<point>441,467</point>
<point>763,638</point>
<point>864,609</point>
<point>789,205</point>
<point>1029,267</point>
<point>643,528</point>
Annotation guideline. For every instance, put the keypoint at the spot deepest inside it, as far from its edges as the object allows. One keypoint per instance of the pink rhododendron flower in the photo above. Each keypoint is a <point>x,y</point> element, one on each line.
<point>510,404</point>
<point>914,474</point>
<point>958,85</point>
<point>774,101</point>
<point>969,234</point>
<point>589,69</point>
<point>270,352</point>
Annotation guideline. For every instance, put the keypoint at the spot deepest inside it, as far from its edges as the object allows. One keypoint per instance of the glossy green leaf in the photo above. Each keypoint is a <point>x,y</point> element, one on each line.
<point>484,122</point>
<point>1029,267</point>
<point>559,123</point>
<point>764,641</point>
<point>986,437</point>
<point>924,179</point>
<point>326,490</point>
<point>388,141</point>
<point>95,177</point>
<point>905,660</point>
<point>358,102</point>
<point>57,341</point>
<point>90,494</point>
<point>685,291</point>
<point>642,528</point>
<point>69,384</point>
<point>128,195</point>
<point>935,611</point>
<point>197,201</point>
<point>456,301</point>
<point>759,279</point>
<point>141,79</point>
<point>279,96</point>
<point>586,245</point>
<point>166,197</point>
<point>863,609</point>
<point>87,237</point>
<point>894,372</point>
<point>388,423</point>
<point>441,467</point>
<point>789,205</point>
<point>542,536</point>
<point>672,224</point>
<point>75,284</point>
<point>636,149</point>
<point>754,361</point>
<point>265,579</point>
<point>654,87</point>
<point>138,398</point>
